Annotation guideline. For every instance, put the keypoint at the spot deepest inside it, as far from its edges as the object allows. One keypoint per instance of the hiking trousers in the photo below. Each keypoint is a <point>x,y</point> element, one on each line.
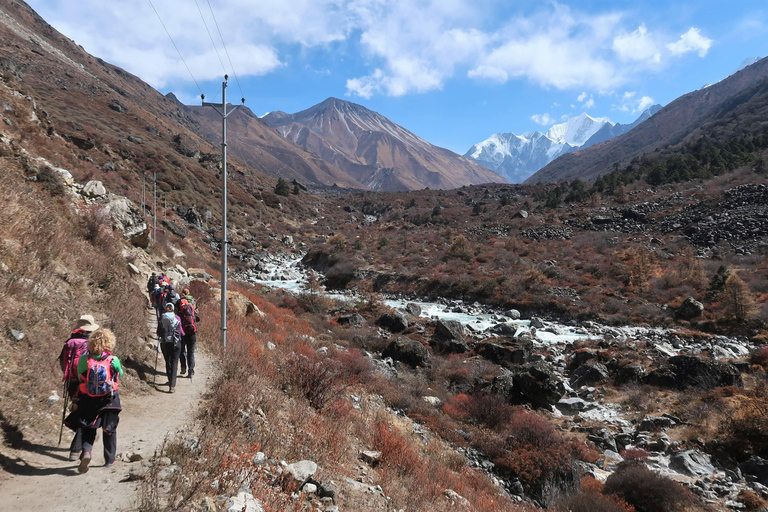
<point>109,421</point>
<point>188,345</point>
<point>171,354</point>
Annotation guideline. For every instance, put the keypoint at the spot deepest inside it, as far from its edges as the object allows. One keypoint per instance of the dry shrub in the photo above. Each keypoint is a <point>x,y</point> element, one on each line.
<point>759,357</point>
<point>315,376</point>
<point>590,501</point>
<point>751,501</point>
<point>744,431</point>
<point>649,491</point>
<point>398,453</point>
<point>488,409</point>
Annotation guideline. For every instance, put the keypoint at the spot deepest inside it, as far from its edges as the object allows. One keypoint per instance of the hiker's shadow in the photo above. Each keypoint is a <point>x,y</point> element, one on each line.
<point>141,368</point>
<point>18,466</point>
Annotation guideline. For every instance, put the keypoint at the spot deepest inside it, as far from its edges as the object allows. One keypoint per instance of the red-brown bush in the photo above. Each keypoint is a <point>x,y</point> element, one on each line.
<point>647,490</point>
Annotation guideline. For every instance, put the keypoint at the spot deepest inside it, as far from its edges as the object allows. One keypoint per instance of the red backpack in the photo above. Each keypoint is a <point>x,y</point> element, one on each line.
<point>69,357</point>
<point>98,378</point>
<point>188,317</point>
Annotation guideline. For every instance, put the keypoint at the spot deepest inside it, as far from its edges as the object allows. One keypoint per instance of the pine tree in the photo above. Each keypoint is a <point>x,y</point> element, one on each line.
<point>282,188</point>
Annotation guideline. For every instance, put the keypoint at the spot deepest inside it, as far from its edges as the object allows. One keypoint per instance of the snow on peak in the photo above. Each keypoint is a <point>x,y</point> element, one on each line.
<point>577,130</point>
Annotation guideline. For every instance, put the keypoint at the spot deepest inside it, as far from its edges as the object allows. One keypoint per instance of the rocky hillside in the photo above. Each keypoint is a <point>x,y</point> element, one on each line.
<point>733,106</point>
<point>374,150</point>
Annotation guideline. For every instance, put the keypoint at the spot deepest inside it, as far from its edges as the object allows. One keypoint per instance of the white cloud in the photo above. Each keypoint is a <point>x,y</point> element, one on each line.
<point>582,97</point>
<point>629,102</point>
<point>639,46</point>
<point>542,119</point>
<point>644,103</point>
<point>588,104</point>
<point>405,46</point>
<point>691,41</point>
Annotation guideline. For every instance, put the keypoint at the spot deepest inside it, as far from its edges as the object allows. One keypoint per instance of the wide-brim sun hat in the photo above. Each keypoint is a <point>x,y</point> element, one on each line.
<point>87,323</point>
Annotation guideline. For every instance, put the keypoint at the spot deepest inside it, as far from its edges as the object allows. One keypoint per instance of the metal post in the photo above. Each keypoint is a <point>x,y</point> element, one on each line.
<point>143,194</point>
<point>224,240</point>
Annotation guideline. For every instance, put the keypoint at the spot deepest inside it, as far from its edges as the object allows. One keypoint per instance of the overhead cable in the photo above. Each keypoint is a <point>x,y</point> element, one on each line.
<point>225,49</point>
<point>211,37</point>
<point>174,45</point>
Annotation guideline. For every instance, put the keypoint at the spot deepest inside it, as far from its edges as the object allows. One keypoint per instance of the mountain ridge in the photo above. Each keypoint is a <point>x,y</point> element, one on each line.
<point>673,124</point>
<point>375,150</point>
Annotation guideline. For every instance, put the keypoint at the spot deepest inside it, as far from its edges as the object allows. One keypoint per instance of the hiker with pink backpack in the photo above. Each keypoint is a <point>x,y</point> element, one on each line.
<point>73,348</point>
<point>189,320</point>
<point>99,373</point>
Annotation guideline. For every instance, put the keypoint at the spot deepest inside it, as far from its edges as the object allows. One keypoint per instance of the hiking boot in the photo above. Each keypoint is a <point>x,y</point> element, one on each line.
<point>191,373</point>
<point>110,464</point>
<point>171,389</point>
<point>84,461</point>
<point>183,371</point>
<point>74,455</point>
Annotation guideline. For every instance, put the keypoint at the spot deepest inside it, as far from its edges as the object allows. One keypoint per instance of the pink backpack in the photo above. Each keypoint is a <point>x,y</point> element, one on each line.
<point>70,356</point>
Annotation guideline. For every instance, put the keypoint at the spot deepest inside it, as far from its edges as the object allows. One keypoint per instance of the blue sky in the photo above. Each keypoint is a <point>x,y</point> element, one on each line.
<point>451,71</point>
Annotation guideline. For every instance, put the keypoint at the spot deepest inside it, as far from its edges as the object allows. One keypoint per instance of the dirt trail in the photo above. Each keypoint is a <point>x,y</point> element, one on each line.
<point>41,478</point>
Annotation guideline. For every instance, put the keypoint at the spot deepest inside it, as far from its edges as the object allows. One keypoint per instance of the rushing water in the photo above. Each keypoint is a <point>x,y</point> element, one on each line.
<point>553,333</point>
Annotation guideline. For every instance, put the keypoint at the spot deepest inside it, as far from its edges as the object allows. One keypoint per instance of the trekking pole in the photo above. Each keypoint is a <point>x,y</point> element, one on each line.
<point>63,413</point>
<point>157,352</point>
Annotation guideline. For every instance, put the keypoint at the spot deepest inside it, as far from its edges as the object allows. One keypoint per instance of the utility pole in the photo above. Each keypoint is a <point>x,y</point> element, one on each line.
<point>222,110</point>
<point>154,210</point>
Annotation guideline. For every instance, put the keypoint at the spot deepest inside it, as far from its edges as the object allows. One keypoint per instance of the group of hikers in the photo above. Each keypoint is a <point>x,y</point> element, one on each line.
<point>92,371</point>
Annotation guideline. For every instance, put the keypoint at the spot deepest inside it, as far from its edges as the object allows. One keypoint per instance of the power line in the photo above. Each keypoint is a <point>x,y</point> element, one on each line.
<point>174,45</point>
<point>211,37</point>
<point>225,49</point>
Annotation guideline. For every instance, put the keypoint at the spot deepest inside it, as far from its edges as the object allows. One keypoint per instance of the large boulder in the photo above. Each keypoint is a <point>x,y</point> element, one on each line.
<point>755,469</point>
<point>393,322</point>
<point>690,308</point>
<point>449,337</point>
<point>631,374</point>
<point>176,229</point>
<point>94,188</point>
<point>506,353</point>
<point>694,372</point>
<point>297,474</point>
<point>589,374</point>
<point>351,319</point>
<point>534,383</point>
<point>693,463</point>
<point>126,217</point>
<point>408,351</point>
<point>413,309</point>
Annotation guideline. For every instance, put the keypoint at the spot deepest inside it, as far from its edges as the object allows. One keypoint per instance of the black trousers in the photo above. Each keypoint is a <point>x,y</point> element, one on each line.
<point>171,354</point>
<point>76,446</point>
<point>188,345</point>
<point>109,421</point>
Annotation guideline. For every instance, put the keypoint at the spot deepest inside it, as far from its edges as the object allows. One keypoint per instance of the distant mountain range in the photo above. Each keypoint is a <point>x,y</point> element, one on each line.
<point>734,106</point>
<point>375,151</point>
<point>516,157</point>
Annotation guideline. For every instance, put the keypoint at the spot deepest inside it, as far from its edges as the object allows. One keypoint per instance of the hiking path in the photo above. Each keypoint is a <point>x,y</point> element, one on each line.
<point>39,477</point>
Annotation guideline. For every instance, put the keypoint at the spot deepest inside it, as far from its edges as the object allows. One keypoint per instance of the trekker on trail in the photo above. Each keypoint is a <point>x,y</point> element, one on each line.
<point>155,297</point>
<point>73,348</point>
<point>170,332</point>
<point>171,297</point>
<point>99,406</point>
<point>189,321</point>
<point>151,283</point>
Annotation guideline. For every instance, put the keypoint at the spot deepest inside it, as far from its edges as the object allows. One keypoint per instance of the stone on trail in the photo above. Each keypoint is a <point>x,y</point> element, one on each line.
<point>133,269</point>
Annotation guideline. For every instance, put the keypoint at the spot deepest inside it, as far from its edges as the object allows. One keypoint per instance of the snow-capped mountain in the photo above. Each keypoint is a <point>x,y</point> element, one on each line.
<point>516,157</point>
